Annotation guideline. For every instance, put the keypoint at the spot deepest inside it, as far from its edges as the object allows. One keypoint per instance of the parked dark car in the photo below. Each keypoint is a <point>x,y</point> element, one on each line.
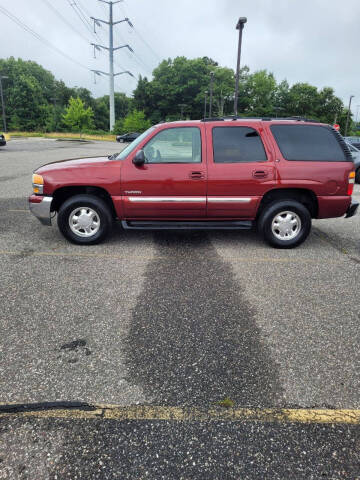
<point>127,137</point>
<point>354,141</point>
<point>2,140</point>
<point>356,157</point>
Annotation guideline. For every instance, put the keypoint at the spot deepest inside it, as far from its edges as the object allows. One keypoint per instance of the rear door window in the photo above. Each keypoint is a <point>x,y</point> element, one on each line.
<point>237,145</point>
<point>309,143</point>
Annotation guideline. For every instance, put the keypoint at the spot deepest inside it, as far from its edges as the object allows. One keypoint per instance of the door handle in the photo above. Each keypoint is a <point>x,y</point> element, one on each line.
<point>260,173</point>
<point>196,175</point>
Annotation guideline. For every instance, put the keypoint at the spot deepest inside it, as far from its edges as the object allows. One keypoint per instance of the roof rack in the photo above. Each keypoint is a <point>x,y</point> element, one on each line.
<point>212,119</point>
<point>264,119</point>
<point>295,118</point>
<point>228,117</point>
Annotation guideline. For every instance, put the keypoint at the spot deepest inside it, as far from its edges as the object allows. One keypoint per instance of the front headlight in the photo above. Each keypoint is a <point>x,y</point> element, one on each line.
<point>37,183</point>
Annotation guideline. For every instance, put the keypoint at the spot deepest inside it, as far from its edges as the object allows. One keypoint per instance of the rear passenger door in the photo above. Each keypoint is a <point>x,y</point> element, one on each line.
<point>240,169</point>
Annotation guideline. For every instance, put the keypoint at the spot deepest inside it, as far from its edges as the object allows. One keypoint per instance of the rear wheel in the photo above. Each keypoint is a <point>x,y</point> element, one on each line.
<point>285,223</point>
<point>84,219</point>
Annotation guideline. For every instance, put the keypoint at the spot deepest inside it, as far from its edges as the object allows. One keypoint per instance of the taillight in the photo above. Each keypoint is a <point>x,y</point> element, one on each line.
<point>351,183</point>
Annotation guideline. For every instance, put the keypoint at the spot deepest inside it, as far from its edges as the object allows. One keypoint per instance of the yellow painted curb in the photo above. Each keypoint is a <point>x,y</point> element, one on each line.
<point>195,414</point>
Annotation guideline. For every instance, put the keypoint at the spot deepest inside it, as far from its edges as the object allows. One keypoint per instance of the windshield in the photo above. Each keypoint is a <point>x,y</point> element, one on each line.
<point>133,144</point>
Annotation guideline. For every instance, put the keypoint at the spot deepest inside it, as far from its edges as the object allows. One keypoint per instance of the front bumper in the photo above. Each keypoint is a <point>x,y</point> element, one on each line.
<point>351,211</point>
<point>40,207</point>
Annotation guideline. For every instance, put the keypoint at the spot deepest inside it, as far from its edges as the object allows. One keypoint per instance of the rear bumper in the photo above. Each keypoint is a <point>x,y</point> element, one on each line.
<point>351,211</point>
<point>40,207</point>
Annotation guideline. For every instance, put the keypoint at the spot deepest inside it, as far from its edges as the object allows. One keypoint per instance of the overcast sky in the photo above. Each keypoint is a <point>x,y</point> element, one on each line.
<point>315,41</point>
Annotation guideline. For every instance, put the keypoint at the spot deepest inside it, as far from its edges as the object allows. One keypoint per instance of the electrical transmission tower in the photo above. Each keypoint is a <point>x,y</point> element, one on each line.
<point>111,49</point>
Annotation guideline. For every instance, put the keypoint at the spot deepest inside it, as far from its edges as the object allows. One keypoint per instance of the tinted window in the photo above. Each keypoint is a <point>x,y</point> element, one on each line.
<point>308,143</point>
<point>175,145</point>
<point>237,145</point>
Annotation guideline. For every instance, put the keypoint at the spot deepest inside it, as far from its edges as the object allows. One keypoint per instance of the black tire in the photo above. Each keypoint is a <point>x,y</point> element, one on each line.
<point>275,208</point>
<point>91,202</point>
<point>357,175</point>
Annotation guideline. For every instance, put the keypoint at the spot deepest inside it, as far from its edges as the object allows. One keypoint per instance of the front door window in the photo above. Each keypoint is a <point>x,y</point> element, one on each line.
<point>174,145</point>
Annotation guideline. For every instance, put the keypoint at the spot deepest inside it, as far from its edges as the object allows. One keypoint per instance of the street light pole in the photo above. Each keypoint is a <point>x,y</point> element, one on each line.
<point>2,77</point>
<point>348,116</point>
<point>240,27</point>
<point>206,92</point>
<point>211,93</point>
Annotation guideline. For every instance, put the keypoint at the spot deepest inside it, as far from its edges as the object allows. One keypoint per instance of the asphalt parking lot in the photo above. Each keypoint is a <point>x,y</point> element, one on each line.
<point>173,320</point>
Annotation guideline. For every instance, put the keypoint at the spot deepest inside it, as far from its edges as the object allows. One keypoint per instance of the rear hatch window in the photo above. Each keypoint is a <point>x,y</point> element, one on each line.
<point>311,143</point>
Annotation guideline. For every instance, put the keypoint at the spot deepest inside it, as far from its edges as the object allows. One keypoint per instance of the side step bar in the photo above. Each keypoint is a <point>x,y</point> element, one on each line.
<point>181,225</point>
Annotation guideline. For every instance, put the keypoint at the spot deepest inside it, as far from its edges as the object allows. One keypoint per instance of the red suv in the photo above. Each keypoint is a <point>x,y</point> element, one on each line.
<point>208,174</point>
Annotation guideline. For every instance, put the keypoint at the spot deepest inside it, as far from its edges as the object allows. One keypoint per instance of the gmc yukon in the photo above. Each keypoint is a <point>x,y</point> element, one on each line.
<point>222,173</point>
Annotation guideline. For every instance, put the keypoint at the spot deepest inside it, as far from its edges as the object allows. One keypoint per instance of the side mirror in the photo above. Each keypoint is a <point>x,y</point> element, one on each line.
<point>139,158</point>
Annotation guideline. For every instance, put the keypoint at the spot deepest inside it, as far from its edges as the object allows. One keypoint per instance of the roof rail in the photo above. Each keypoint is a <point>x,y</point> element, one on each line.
<point>295,118</point>
<point>264,119</point>
<point>229,117</point>
<point>212,119</point>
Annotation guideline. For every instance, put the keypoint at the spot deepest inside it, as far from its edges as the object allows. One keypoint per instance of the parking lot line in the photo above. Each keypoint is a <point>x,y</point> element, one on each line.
<point>188,414</point>
<point>111,256</point>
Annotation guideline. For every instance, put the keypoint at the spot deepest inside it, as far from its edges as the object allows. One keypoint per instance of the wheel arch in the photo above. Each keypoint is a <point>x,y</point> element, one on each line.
<point>64,193</point>
<point>302,195</point>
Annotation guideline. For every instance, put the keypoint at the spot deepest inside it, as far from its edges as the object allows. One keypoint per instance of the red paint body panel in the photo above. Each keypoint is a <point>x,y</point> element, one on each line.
<point>95,172</point>
<point>165,180</point>
<point>334,206</point>
<point>224,191</point>
<point>238,179</point>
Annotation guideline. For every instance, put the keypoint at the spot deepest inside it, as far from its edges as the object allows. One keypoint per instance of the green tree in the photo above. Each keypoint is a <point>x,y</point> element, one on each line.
<point>136,122</point>
<point>119,127</point>
<point>259,90</point>
<point>182,81</point>
<point>77,117</point>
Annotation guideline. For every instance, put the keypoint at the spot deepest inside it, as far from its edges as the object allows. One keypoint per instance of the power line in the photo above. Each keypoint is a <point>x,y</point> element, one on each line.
<point>111,49</point>
<point>134,57</point>
<point>141,37</point>
<point>80,14</point>
<point>64,19</point>
<point>39,37</point>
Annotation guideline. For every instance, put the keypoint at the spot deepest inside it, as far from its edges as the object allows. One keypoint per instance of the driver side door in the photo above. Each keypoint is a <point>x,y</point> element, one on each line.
<point>172,182</point>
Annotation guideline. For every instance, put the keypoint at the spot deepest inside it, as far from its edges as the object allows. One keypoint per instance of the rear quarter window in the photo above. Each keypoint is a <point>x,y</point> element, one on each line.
<point>310,143</point>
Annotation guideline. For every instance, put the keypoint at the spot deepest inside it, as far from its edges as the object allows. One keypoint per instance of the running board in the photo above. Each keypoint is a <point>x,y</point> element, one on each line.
<point>180,225</point>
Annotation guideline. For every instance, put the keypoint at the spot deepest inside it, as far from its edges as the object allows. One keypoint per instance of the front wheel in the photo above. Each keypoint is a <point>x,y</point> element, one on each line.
<point>84,219</point>
<point>285,223</point>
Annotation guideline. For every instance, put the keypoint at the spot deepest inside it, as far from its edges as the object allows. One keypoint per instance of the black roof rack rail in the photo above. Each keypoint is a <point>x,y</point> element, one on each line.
<point>264,119</point>
<point>212,119</point>
<point>229,117</point>
<point>296,118</point>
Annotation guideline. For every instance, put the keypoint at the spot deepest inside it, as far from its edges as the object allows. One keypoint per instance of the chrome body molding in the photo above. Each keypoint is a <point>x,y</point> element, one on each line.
<point>180,199</point>
<point>167,199</point>
<point>229,199</point>
<point>41,210</point>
